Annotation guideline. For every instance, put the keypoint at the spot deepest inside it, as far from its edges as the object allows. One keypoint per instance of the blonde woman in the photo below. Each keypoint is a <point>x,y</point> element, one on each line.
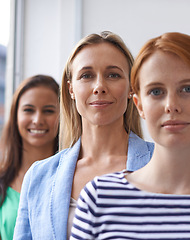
<point>100,130</point>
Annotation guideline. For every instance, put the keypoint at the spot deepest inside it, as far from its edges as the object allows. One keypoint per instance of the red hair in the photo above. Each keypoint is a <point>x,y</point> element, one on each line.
<point>172,42</point>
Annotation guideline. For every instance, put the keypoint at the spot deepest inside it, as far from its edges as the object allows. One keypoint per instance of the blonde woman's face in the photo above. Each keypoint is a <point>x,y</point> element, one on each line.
<point>100,84</point>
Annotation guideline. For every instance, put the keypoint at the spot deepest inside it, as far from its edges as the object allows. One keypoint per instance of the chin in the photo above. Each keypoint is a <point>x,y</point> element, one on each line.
<point>174,143</point>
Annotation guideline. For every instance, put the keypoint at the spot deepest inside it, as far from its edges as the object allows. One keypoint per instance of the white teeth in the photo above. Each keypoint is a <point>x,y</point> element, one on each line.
<point>37,131</point>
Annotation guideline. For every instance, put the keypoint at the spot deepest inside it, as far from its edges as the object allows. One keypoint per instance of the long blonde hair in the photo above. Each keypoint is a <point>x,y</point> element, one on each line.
<point>70,120</point>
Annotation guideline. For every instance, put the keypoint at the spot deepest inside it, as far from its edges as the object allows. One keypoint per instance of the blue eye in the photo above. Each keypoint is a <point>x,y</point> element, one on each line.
<point>113,75</point>
<point>86,76</point>
<point>186,89</point>
<point>156,92</point>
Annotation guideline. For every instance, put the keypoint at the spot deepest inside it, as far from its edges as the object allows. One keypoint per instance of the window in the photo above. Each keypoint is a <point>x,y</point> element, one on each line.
<point>4,36</point>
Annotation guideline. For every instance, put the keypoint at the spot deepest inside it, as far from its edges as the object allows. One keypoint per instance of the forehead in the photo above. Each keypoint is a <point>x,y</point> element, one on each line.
<point>163,67</point>
<point>162,63</point>
<point>100,53</point>
<point>38,92</point>
<point>160,58</point>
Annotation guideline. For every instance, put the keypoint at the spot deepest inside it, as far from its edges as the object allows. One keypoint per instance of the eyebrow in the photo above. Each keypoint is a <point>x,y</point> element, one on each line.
<point>27,105</point>
<point>185,80</point>
<point>108,67</point>
<point>46,106</point>
<point>112,67</point>
<point>85,68</point>
<point>49,106</point>
<point>154,84</point>
<point>160,84</point>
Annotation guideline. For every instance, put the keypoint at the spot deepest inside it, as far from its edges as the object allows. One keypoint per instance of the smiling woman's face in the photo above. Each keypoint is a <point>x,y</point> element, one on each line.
<point>100,84</point>
<point>37,117</point>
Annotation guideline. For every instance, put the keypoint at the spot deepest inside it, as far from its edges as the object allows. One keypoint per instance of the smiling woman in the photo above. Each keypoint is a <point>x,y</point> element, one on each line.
<point>30,134</point>
<point>37,115</point>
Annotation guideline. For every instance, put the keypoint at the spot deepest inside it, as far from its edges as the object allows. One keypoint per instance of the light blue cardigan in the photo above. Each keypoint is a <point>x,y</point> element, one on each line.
<point>46,191</point>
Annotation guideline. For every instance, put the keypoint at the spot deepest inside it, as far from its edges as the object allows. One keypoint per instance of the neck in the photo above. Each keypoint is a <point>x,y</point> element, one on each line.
<point>168,171</point>
<point>38,153</point>
<point>29,156</point>
<point>104,140</point>
<point>175,160</point>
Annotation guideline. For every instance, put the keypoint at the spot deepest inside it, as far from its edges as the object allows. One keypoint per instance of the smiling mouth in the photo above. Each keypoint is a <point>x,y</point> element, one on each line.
<point>35,131</point>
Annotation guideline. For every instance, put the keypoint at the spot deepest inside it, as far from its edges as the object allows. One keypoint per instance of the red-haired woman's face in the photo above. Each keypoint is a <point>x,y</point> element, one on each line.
<point>37,117</point>
<point>164,99</point>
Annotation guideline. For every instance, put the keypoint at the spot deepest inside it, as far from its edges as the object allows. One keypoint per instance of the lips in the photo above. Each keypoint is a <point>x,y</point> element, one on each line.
<point>37,131</point>
<point>174,125</point>
<point>102,102</point>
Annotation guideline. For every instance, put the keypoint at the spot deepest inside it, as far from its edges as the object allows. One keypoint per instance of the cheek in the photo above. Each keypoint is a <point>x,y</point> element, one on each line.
<point>81,94</point>
<point>151,111</point>
<point>80,90</point>
<point>21,121</point>
<point>123,93</point>
<point>21,125</point>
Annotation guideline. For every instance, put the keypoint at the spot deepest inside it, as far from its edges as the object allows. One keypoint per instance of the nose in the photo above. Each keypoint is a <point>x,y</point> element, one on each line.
<point>100,86</point>
<point>38,118</point>
<point>172,104</point>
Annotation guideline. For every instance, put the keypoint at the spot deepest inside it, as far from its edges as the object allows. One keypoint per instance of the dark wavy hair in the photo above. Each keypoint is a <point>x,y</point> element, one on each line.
<point>11,142</point>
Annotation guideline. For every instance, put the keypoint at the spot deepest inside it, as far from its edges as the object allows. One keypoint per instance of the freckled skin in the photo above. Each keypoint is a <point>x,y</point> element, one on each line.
<point>165,96</point>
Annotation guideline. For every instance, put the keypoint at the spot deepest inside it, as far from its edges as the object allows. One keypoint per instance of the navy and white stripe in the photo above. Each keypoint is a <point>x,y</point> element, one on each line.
<point>109,207</point>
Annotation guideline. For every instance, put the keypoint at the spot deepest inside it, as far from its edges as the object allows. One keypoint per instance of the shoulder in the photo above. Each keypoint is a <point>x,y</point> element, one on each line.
<point>50,165</point>
<point>133,138</point>
<point>108,180</point>
<point>139,152</point>
<point>46,169</point>
<point>102,186</point>
<point>11,200</point>
<point>139,144</point>
<point>105,187</point>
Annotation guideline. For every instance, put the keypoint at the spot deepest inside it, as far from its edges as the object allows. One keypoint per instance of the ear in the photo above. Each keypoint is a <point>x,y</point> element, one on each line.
<point>138,104</point>
<point>130,95</point>
<point>71,89</point>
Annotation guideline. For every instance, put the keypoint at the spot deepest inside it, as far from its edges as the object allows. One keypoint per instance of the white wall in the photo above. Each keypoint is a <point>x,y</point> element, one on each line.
<point>51,30</point>
<point>136,20</point>
<point>52,27</point>
<point>41,37</point>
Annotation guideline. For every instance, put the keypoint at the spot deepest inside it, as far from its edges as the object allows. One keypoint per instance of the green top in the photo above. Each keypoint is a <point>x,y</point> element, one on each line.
<point>8,214</point>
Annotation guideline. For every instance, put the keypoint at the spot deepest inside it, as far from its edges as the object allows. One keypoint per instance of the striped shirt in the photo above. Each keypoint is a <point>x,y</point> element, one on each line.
<point>109,207</point>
